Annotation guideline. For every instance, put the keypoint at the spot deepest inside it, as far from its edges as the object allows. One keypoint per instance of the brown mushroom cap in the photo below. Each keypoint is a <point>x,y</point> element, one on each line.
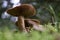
<point>25,10</point>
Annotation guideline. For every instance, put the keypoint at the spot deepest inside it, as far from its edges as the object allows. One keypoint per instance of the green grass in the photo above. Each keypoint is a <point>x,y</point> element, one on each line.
<point>7,34</point>
<point>34,35</point>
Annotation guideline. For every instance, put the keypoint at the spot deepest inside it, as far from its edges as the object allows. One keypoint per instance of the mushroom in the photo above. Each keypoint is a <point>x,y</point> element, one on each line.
<point>32,24</point>
<point>23,11</point>
<point>35,24</point>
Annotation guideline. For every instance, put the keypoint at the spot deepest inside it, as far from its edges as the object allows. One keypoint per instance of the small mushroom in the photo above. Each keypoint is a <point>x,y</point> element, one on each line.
<point>35,24</point>
<point>23,11</point>
<point>32,24</point>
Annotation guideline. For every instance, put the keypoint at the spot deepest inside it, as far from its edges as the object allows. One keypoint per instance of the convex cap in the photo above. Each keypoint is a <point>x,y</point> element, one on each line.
<point>25,10</point>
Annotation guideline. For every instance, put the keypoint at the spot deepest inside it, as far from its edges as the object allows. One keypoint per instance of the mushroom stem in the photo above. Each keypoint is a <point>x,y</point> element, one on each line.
<point>21,24</point>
